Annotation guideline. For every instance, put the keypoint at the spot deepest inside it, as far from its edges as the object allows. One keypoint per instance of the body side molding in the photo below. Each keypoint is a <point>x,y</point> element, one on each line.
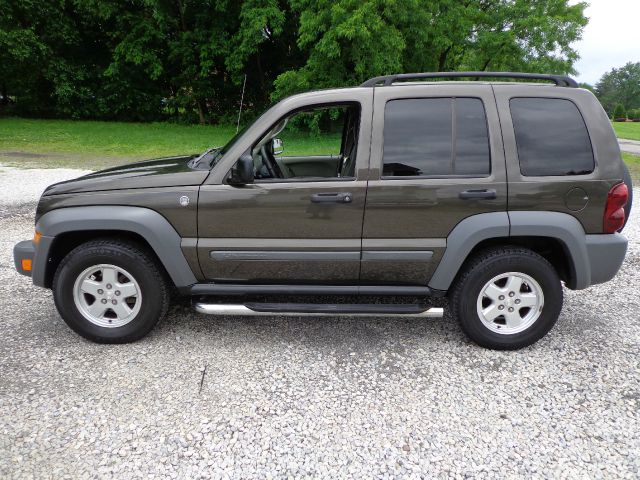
<point>147,223</point>
<point>279,255</point>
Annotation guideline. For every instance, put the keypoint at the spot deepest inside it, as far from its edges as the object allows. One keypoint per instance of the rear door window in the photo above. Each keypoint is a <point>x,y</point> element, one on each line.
<point>436,137</point>
<point>551,137</point>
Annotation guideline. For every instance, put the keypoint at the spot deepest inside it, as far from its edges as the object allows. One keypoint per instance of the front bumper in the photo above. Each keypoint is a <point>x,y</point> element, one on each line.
<point>23,256</point>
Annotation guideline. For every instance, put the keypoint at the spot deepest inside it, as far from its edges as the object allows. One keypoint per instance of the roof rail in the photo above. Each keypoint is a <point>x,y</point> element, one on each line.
<point>386,80</point>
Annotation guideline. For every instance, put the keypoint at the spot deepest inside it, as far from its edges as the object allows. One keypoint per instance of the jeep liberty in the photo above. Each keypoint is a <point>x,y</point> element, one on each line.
<point>476,186</point>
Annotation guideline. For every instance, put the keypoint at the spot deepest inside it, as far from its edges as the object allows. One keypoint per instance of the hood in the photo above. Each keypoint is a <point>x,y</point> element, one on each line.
<point>160,172</point>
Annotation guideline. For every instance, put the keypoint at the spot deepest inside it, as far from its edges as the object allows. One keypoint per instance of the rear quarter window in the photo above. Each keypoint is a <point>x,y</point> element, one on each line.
<point>551,137</point>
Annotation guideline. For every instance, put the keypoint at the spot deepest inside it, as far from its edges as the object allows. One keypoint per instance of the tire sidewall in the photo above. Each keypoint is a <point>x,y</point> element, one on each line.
<point>546,277</point>
<point>76,263</point>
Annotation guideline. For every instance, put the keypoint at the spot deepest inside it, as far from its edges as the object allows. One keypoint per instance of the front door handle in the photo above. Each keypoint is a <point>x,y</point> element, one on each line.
<point>335,197</point>
<point>480,193</point>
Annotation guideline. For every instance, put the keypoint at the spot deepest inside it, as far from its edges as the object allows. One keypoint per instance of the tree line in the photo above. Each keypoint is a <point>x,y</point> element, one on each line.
<point>186,60</point>
<point>619,92</point>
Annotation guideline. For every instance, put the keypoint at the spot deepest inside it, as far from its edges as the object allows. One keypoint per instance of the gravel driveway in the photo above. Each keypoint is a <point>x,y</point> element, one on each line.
<point>630,146</point>
<point>302,397</point>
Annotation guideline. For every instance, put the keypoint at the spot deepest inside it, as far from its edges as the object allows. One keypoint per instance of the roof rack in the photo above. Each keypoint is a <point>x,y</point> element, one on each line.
<point>386,80</point>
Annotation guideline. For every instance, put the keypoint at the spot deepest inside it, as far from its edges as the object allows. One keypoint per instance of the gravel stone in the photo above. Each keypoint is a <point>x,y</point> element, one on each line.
<point>308,397</point>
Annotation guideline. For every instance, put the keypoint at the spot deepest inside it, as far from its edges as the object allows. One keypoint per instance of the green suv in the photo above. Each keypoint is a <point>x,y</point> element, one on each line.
<point>491,193</point>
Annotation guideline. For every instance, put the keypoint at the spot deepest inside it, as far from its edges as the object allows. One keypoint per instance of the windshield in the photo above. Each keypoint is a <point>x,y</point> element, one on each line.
<point>213,155</point>
<point>231,142</point>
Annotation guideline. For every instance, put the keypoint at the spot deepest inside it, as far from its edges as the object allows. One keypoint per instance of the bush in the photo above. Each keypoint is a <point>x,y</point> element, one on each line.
<point>634,115</point>
<point>619,113</point>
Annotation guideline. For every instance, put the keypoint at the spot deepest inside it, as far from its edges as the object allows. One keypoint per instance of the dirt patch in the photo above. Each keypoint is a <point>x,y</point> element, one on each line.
<point>28,154</point>
<point>22,159</point>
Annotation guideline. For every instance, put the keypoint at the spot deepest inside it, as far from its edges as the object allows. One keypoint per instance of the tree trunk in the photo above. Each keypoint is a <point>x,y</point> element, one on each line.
<point>201,112</point>
<point>442,61</point>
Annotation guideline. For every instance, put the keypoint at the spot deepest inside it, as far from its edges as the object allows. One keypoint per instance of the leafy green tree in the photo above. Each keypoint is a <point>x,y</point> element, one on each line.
<point>620,85</point>
<point>347,41</point>
<point>198,51</point>
<point>619,113</point>
<point>187,60</point>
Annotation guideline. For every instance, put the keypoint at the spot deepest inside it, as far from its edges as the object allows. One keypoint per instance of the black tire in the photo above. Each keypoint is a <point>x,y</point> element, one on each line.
<point>489,264</point>
<point>128,256</point>
<point>626,178</point>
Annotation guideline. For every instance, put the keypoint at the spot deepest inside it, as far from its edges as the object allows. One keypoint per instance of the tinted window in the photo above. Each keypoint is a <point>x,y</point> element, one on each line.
<point>472,139</point>
<point>419,137</point>
<point>551,137</point>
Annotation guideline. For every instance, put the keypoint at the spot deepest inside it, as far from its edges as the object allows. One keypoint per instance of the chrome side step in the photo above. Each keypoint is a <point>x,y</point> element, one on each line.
<point>312,309</point>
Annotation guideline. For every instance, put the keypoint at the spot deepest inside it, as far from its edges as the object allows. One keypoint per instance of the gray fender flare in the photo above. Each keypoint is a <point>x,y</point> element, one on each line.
<point>149,224</point>
<point>462,239</point>
<point>473,230</point>
<point>563,227</point>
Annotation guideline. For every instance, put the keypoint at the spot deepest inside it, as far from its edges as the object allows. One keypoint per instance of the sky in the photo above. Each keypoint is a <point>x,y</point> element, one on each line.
<point>611,39</point>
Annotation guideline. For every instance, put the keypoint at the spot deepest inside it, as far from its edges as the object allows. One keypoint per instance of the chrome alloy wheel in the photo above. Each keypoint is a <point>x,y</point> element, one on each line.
<point>107,296</point>
<point>510,303</point>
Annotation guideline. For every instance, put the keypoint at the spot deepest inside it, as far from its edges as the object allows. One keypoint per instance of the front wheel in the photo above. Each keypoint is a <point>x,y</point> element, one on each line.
<point>507,298</point>
<point>110,291</point>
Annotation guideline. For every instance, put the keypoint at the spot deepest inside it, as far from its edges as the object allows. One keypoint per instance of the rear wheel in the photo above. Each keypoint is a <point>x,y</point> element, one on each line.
<point>507,298</point>
<point>110,291</point>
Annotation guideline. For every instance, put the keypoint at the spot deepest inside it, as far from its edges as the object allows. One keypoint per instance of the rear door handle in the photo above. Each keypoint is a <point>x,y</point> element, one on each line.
<point>336,197</point>
<point>480,193</point>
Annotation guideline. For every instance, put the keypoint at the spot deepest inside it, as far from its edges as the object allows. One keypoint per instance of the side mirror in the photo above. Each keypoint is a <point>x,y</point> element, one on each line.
<point>278,146</point>
<point>242,172</point>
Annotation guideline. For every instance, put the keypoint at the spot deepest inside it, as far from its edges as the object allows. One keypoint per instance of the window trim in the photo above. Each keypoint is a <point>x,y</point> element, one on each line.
<point>586,129</point>
<point>452,99</point>
<point>304,180</point>
<point>312,106</point>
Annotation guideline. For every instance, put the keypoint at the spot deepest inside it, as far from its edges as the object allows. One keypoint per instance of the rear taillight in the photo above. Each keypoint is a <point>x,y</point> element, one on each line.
<point>614,211</point>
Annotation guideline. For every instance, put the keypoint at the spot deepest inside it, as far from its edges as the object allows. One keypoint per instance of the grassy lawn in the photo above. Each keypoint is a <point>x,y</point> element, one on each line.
<point>633,161</point>
<point>92,145</point>
<point>628,130</point>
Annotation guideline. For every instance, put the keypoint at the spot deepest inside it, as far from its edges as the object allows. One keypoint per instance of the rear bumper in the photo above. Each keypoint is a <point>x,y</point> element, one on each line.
<point>23,253</point>
<point>606,254</point>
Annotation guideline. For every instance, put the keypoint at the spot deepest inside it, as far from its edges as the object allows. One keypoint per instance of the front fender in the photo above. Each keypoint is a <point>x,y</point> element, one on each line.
<point>149,224</point>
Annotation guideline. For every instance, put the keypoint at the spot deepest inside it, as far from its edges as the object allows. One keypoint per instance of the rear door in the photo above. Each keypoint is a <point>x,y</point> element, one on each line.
<point>436,159</point>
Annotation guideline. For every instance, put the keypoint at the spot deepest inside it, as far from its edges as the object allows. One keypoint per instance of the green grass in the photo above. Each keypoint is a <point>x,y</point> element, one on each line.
<point>631,159</point>
<point>93,145</point>
<point>628,130</point>
<point>633,162</point>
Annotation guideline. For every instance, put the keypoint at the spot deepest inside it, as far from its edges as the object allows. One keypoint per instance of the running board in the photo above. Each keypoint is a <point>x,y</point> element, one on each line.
<point>313,309</point>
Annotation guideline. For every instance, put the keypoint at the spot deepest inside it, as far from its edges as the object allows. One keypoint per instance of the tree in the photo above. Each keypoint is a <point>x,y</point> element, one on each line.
<point>347,41</point>
<point>620,85</point>
<point>198,51</point>
<point>186,60</point>
<point>619,113</point>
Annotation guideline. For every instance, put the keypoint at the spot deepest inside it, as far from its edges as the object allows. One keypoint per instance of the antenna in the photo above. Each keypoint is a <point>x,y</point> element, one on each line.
<point>241,100</point>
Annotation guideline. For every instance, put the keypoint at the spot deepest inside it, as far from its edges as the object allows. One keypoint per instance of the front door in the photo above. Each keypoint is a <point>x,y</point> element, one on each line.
<point>434,162</point>
<point>301,219</point>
